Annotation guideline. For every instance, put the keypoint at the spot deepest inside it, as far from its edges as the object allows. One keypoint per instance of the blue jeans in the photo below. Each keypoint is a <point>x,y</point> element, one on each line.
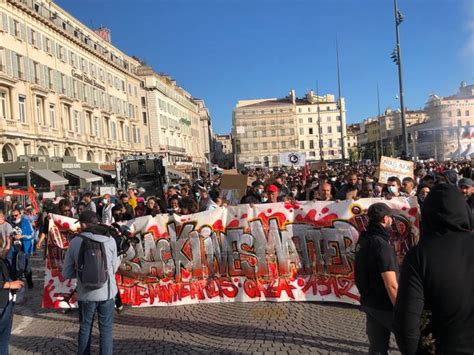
<point>87,310</point>
<point>6,318</point>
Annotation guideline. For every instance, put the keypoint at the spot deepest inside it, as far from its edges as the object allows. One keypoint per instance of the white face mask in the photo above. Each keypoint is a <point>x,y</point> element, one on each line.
<point>260,191</point>
<point>393,189</point>
<point>333,179</point>
<point>105,201</point>
<point>264,199</point>
<point>294,192</point>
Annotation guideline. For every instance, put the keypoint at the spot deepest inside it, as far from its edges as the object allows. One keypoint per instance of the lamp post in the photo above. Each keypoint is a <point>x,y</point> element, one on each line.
<point>340,104</point>
<point>396,57</point>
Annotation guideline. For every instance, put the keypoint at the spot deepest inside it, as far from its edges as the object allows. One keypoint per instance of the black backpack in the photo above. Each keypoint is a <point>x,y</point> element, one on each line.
<point>361,273</point>
<point>92,264</point>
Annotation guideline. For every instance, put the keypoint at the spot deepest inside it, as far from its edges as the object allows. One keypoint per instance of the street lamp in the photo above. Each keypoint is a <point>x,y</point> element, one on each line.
<point>396,58</point>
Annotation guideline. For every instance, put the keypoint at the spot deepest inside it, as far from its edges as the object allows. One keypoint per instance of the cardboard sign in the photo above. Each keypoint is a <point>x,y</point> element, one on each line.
<point>233,187</point>
<point>394,167</point>
<point>293,159</point>
<point>107,190</point>
<point>230,172</point>
<point>318,166</point>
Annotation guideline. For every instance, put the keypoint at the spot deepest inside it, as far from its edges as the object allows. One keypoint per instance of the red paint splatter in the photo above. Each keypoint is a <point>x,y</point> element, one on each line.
<point>300,282</point>
<point>325,210</point>
<point>404,208</point>
<point>245,215</point>
<point>278,215</point>
<point>66,225</point>
<point>236,280</point>
<point>413,212</point>
<point>218,226</point>
<point>233,224</point>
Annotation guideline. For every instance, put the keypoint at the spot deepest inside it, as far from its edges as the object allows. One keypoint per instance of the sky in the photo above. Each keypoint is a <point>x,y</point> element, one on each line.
<point>224,51</point>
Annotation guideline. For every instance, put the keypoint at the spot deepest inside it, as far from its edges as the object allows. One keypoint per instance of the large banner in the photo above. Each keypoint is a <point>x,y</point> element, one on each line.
<point>271,252</point>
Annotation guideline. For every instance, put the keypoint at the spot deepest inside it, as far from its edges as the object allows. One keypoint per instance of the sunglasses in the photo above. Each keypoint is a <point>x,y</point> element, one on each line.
<point>15,215</point>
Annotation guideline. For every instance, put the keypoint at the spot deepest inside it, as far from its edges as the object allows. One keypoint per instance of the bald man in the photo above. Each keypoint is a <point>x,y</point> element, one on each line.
<point>324,192</point>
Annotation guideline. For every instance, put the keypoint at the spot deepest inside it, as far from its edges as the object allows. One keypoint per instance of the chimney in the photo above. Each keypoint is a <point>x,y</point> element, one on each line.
<point>105,34</point>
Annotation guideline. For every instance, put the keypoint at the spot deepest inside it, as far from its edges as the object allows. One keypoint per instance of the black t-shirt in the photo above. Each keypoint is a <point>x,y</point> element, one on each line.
<point>379,257</point>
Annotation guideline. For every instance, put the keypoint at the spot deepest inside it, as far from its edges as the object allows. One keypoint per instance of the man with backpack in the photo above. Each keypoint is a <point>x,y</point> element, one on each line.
<point>376,272</point>
<point>92,260</point>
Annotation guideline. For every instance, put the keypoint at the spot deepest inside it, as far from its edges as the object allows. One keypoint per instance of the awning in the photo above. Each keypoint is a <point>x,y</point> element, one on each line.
<point>105,173</point>
<point>81,174</point>
<point>177,173</point>
<point>53,178</point>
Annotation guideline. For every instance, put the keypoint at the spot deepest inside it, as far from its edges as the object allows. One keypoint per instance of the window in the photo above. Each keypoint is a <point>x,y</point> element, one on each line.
<point>292,131</point>
<point>114,130</point>
<point>310,119</point>
<point>282,132</point>
<point>338,118</point>
<point>83,65</point>
<point>33,38</point>
<point>67,117</point>
<point>309,109</point>
<point>265,145</point>
<point>22,108</point>
<point>89,123</point>
<point>264,133</point>
<point>144,118</point>
<point>19,66</point>
<point>466,113</point>
<point>36,69</point>
<point>255,146</point>
<point>75,89</point>
<point>301,144</point>
<point>330,142</point>
<point>311,144</point>
<point>16,28</point>
<point>274,145</point>
<point>40,110</point>
<point>27,148</point>
<point>73,60</point>
<point>458,112</point>
<point>300,120</point>
<point>61,53</point>
<point>63,84</point>
<point>282,121</point>
<point>50,78</point>
<point>301,130</point>
<point>273,133</point>
<point>312,154</point>
<point>3,104</point>
<point>52,116</point>
<point>47,45</point>
<point>329,118</point>
<point>459,123</point>
<point>450,114</point>
<point>254,134</point>
<point>96,129</point>
<point>338,129</point>
<point>329,129</point>
<point>310,131</point>
<point>77,127</point>
<point>283,144</point>
<point>299,109</point>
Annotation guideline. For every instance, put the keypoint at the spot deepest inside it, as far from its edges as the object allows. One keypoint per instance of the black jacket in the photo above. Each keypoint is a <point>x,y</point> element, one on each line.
<point>374,255</point>
<point>438,274</point>
<point>4,277</point>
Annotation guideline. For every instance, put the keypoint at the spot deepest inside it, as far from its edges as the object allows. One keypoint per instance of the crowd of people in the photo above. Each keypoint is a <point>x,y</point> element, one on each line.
<point>24,230</point>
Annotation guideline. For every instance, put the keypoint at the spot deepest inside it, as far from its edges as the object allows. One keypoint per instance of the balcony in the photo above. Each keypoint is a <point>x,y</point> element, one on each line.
<point>176,149</point>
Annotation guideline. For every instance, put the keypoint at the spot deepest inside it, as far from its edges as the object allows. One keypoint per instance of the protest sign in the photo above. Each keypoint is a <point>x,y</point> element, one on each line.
<point>233,187</point>
<point>318,166</point>
<point>293,159</point>
<point>272,252</point>
<point>394,167</point>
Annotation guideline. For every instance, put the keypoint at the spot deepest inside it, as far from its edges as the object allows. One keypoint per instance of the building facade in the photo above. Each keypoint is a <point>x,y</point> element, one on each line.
<point>448,131</point>
<point>320,128</point>
<point>353,134</point>
<point>179,125</point>
<point>223,152</point>
<point>265,128</point>
<point>65,90</point>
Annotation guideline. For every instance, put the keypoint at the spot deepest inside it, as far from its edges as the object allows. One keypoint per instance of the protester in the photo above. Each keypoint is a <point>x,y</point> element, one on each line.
<point>89,204</point>
<point>98,298</point>
<point>140,210</point>
<point>376,272</point>
<point>152,208</point>
<point>422,193</point>
<point>6,231</point>
<point>324,192</point>
<point>351,181</point>
<point>254,194</point>
<point>273,193</point>
<point>188,206</point>
<point>8,289</point>
<point>22,248</point>
<point>129,210</point>
<point>437,274</point>
<point>408,186</point>
<point>107,206</point>
<point>394,187</point>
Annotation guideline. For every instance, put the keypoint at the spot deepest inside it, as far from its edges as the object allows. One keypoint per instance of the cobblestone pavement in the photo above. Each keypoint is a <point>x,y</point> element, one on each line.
<point>232,328</point>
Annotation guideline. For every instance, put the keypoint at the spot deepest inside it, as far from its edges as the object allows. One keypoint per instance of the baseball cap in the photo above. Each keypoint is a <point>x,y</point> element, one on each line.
<point>88,217</point>
<point>379,210</point>
<point>466,182</point>
<point>272,188</point>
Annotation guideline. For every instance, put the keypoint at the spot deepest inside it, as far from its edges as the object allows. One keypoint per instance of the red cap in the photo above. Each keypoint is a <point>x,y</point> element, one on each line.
<point>272,188</point>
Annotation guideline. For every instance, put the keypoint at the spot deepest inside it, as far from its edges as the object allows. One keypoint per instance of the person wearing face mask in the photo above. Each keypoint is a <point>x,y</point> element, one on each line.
<point>264,198</point>
<point>107,204</point>
<point>174,206</point>
<point>394,187</point>
<point>254,195</point>
<point>376,273</point>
